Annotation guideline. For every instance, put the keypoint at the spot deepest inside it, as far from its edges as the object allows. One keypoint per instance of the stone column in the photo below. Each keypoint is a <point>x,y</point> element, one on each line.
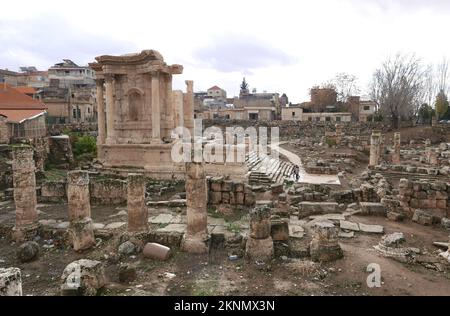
<point>432,156</point>
<point>374,148</point>
<point>109,89</point>
<point>177,97</point>
<point>25,200</point>
<point>156,110</point>
<point>196,237</point>
<point>137,210</point>
<point>259,246</point>
<point>324,245</point>
<point>396,155</point>
<point>188,111</point>
<point>81,229</point>
<point>101,113</point>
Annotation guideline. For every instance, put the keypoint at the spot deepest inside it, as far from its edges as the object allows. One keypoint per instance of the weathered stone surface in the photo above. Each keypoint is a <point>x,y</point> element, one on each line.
<point>28,251</point>
<point>81,234</point>
<point>374,229</point>
<point>137,210</point>
<point>83,277</point>
<point>296,231</point>
<point>371,208</point>
<point>316,208</point>
<point>260,222</point>
<point>25,199</point>
<point>279,230</point>
<point>393,240</point>
<point>78,195</point>
<point>127,248</point>
<point>259,249</point>
<point>127,273</point>
<point>156,251</point>
<point>10,282</point>
<point>195,239</point>
<point>349,226</point>
<point>445,222</point>
<point>423,218</point>
<point>324,246</point>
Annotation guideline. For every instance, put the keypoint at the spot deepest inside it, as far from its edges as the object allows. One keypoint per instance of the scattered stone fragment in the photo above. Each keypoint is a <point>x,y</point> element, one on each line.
<point>375,229</point>
<point>83,277</point>
<point>10,282</point>
<point>127,248</point>
<point>127,273</point>
<point>28,251</point>
<point>349,226</point>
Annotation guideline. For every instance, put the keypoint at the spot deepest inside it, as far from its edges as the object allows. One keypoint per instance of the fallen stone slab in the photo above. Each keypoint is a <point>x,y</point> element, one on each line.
<point>374,229</point>
<point>316,208</point>
<point>442,245</point>
<point>331,217</point>
<point>10,282</point>
<point>346,235</point>
<point>372,209</point>
<point>349,226</point>
<point>177,228</point>
<point>115,225</point>
<point>161,219</point>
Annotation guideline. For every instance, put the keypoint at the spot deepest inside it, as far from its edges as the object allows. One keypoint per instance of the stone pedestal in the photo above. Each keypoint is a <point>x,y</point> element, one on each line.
<point>196,237</point>
<point>396,154</point>
<point>81,229</point>
<point>432,156</point>
<point>26,224</point>
<point>10,282</point>
<point>375,142</point>
<point>324,246</point>
<point>259,246</point>
<point>339,133</point>
<point>137,210</point>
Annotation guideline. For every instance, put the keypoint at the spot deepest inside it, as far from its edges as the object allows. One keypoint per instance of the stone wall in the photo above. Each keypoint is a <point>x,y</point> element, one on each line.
<point>108,191</point>
<point>221,191</point>
<point>58,129</point>
<point>429,196</point>
<point>60,149</point>
<point>102,191</point>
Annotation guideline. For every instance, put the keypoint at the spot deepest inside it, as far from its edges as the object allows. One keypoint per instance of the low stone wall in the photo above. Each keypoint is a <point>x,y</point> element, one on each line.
<point>61,154</point>
<point>58,129</point>
<point>102,191</point>
<point>221,191</point>
<point>321,168</point>
<point>108,191</point>
<point>429,196</point>
<point>413,169</point>
<point>53,191</point>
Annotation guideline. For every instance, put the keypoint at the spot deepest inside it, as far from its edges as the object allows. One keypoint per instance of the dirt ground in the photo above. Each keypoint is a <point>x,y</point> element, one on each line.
<point>215,274</point>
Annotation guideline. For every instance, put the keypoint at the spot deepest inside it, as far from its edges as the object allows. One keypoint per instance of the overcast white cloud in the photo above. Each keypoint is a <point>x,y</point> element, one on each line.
<point>283,46</point>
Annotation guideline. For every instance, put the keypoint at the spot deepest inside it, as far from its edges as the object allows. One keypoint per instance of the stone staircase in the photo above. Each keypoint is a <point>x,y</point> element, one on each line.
<point>264,169</point>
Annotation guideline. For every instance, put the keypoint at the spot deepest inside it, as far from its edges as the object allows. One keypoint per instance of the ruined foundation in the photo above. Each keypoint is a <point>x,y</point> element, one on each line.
<point>26,224</point>
<point>81,230</point>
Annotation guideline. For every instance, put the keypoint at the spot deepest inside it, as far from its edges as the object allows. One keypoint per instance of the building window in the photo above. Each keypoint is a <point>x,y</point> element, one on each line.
<point>318,119</point>
<point>366,107</point>
<point>338,118</point>
<point>328,119</point>
<point>293,113</point>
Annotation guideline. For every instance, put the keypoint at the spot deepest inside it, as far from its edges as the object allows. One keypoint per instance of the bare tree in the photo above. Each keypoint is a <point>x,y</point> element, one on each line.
<point>398,87</point>
<point>442,77</point>
<point>345,85</point>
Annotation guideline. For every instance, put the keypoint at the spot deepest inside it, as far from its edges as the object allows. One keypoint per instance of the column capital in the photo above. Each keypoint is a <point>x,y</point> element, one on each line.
<point>109,78</point>
<point>99,82</point>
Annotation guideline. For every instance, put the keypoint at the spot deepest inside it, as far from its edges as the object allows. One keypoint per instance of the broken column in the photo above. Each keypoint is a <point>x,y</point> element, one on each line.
<point>196,237</point>
<point>26,225</point>
<point>259,246</point>
<point>137,210</point>
<point>324,245</point>
<point>10,282</point>
<point>81,229</point>
<point>396,154</point>
<point>432,156</point>
<point>375,140</point>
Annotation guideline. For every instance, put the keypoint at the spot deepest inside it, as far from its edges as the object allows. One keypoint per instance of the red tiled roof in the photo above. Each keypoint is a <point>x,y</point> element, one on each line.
<point>17,106</point>
<point>214,88</point>
<point>18,116</point>
<point>26,89</point>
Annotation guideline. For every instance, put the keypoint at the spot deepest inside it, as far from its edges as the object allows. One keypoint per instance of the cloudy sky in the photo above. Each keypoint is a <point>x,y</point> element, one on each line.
<point>281,46</point>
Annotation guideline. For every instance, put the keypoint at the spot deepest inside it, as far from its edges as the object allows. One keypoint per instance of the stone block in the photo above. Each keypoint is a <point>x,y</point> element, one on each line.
<point>10,282</point>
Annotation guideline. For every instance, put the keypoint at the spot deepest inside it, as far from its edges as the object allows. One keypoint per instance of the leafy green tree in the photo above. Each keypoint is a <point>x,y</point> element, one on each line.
<point>441,104</point>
